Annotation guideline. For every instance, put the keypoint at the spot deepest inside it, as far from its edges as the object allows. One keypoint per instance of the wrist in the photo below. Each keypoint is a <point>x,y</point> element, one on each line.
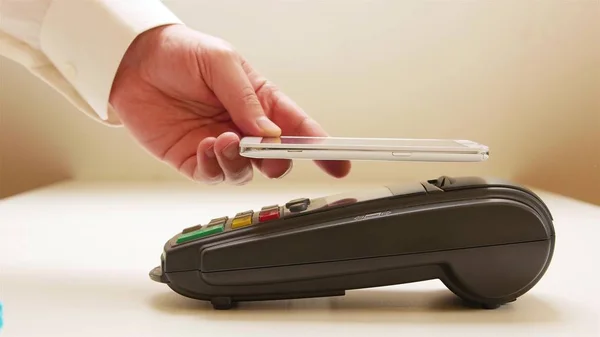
<point>140,52</point>
<point>144,46</point>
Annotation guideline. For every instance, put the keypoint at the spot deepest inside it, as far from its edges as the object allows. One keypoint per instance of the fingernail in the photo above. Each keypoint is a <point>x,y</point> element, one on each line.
<point>231,151</point>
<point>267,126</point>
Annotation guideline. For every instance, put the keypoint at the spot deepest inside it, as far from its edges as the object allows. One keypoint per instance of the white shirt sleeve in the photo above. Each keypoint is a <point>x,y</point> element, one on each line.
<point>75,46</point>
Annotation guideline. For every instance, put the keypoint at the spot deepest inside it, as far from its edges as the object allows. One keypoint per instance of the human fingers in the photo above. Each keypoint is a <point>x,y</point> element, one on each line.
<point>231,85</point>
<point>238,95</point>
<point>207,169</point>
<point>309,127</point>
<point>237,170</point>
<point>292,120</point>
<point>273,168</point>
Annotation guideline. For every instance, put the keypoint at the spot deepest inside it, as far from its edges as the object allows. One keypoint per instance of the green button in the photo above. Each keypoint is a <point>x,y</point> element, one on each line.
<point>200,233</point>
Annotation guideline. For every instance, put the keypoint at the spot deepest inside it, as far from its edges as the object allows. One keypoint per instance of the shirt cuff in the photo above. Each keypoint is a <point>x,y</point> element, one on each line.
<point>86,41</point>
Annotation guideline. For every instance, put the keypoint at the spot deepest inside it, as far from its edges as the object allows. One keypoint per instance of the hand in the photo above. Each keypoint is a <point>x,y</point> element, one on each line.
<point>188,98</point>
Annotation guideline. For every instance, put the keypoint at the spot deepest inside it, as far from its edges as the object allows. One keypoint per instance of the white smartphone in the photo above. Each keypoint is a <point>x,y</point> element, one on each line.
<point>340,148</point>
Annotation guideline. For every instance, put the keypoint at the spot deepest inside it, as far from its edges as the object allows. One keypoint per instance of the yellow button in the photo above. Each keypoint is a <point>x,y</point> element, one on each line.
<point>241,221</point>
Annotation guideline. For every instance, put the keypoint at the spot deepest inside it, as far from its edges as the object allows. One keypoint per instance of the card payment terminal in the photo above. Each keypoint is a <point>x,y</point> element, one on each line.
<point>488,241</point>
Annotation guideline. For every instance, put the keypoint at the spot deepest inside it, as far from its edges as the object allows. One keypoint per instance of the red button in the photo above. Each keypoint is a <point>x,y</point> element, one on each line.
<point>267,215</point>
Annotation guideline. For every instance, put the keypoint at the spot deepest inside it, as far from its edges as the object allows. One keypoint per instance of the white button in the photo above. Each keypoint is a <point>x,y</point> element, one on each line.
<point>70,71</point>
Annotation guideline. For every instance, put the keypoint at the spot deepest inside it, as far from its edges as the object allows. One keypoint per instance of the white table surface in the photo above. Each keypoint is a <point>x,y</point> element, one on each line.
<point>75,257</point>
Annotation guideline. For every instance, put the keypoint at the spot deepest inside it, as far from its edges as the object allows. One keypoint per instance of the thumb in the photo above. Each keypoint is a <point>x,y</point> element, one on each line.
<point>233,88</point>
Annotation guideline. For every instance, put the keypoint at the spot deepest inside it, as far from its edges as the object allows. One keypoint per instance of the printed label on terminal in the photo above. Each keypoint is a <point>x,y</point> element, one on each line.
<point>372,215</point>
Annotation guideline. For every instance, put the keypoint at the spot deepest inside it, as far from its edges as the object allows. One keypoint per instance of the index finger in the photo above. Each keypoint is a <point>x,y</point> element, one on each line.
<point>293,121</point>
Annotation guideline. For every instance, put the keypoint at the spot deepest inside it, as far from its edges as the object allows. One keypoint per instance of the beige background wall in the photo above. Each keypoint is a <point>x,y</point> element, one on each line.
<point>520,76</point>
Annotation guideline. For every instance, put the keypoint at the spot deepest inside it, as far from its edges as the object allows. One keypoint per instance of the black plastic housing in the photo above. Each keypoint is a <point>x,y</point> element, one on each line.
<point>489,241</point>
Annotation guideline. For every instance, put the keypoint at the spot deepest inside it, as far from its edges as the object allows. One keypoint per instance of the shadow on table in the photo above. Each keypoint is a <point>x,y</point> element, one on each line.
<point>381,305</point>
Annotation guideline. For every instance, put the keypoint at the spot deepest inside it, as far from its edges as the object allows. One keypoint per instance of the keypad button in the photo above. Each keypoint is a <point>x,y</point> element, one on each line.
<point>243,214</point>
<point>191,229</point>
<point>299,200</point>
<point>241,221</point>
<point>200,233</point>
<point>218,221</point>
<point>298,205</point>
<point>269,214</point>
<point>268,208</point>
